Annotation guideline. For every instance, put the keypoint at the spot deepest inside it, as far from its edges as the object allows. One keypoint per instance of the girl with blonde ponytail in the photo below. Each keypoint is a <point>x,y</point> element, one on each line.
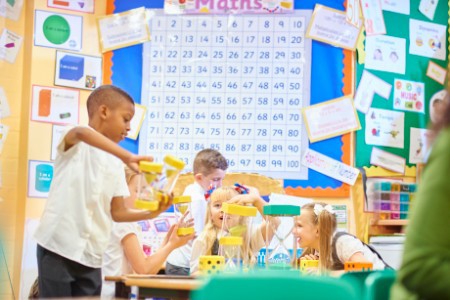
<point>315,231</point>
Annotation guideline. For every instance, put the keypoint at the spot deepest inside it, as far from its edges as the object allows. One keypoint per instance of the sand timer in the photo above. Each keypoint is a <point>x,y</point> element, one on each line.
<point>182,205</point>
<point>280,223</point>
<point>237,222</point>
<point>230,250</point>
<point>172,169</point>
<point>147,194</point>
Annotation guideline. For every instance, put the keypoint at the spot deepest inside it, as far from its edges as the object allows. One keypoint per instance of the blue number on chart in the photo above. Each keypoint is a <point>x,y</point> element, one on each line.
<point>294,117</point>
<point>247,101</point>
<point>261,162</point>
<point>232,85</point>
<point>189,38</point>
<point>244,162</point>
<point>261,148</point>
<point>278,101</point>
<point>184,146</point>
<point>250,39</point>
<point>263,100</point>
<point>186,69</point>
<point>230,131</point>
<point>233,55</point>
<point>293,148</point>
<point>249,54</point>
<point>215,131</point>
<point>200,131</point>
<point>155,99</point>
<point>216,100</point>
<point>261,132</point>
<point>153,115</point>
<point>279,85</point>
<point>204,39</point>
<point>294,86</point>
<point>263,85</point>
<point>184,131</point>
<point>298,24</point>
<point>200,116</point>
<point>294,101</point>
<point>248,70</point>
<point>278,117</point>
<point>187,54</point>
<point>247,84</point>
<point>217,85</point>
<point>169,115</point>
<point>295,70</point>
<point>296,39</point>
<point>169,146</point>
<point>281,39</point>
<point>296,55</point>
<point>169,130</point>
<point>277,148</point>
<point>202,69</point>
<point>231,162</point>
<point>279,70</point>
<point>231,101</point>
<point>217,54</point>
<point>276,163</point>
<point>277,132</point>
<point>198,146</point>
<point>246,147</point>
<point>280,55</point>
<point>265,39</point>
<point>185,115</point>
<point>293,133</point>
<point>262,117</point>
<point>230,147</point>
<point>172,54</point>
<point>185,100</point>
<point>264,55</point>
<point>216,116</point>
<point>171,84</point>
<point>170,100</point>
<point>153,146</point>
<point>246,131</point>
<point>217,70</point>
<point>220,39</point>
<point>293,163</point>
<point>153,130</point>
<point>215,147</point>
<point>246,116</point>
<point>186,84</point>
<point>202,54</point>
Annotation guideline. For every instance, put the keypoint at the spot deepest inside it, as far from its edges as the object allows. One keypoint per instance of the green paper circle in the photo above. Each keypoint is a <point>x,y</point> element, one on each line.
<point>56,29</point>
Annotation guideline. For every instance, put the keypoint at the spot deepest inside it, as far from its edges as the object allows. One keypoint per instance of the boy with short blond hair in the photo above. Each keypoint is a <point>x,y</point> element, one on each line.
<point>209,170</point>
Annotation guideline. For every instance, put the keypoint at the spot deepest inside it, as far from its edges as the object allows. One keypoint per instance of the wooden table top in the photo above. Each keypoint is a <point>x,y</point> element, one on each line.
<point>163,282</point>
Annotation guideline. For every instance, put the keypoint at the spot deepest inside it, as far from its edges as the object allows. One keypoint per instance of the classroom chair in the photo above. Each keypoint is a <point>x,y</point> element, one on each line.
<point>357,281</point>
<point>271,285</point>
<point>378,285</point>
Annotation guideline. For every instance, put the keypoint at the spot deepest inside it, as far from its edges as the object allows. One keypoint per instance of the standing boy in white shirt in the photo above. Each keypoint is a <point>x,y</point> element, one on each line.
<point>209,170</point>
<point>87,191</point>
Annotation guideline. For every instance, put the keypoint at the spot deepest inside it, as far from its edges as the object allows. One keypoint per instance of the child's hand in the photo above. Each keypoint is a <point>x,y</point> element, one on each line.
<point>175,240</point>
<point>245,199</point>
<point>133,161</point>
<point>185,223</point>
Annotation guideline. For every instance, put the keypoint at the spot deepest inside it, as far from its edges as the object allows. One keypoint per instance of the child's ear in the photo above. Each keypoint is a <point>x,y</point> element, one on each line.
<point>103,111</point>
<point>198,176</point>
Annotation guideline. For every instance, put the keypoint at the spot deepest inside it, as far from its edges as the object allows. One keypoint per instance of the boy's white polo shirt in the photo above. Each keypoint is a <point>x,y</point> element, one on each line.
<point>76,222</point>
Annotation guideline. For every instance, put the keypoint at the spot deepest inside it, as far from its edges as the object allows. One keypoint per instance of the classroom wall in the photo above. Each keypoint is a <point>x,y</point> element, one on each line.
<point>29,140</point>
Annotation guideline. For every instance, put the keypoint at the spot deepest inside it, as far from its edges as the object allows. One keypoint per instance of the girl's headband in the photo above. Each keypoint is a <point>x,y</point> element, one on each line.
<point>318,209</point>
<point>239,188</point>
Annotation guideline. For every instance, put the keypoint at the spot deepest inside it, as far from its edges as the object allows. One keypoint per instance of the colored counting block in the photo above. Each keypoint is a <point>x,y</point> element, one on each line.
<point>358,266</point>
<point>211,264</point>
<point>308,264</point>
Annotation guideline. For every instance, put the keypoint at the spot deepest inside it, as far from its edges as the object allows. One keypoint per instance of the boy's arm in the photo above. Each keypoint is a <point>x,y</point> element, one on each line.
<point>120,213</point>
<point>98,140</point>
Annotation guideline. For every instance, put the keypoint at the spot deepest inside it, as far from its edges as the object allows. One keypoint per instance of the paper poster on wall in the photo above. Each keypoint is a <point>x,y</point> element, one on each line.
<point>4,105</point>
<point>136,123</point>
<point>427,39</point>
<point>40,175</point>
<point>329,25</point>
<point>409,95</point>
<point>387,160</point>
<point>373,17</point>
<point>369,85</point>
<point>353,13</point>
<point>78,71</point>
<point>397,6</point>
<point>436,72</point>
<point>124,29</point>
<point>11,9</point>
<point>418,144</point>
<point>329,166</point>
<point>55,105</point>
<point>385,128</point>
<point>4,129</point>
<point>56,30</point>
<point>386,53</point>
<point>10,43</point>
<point>57,132</point>
<point>428,8</point>
<point>233,7</point>
<point>74,5</point>
<point>331,118</point>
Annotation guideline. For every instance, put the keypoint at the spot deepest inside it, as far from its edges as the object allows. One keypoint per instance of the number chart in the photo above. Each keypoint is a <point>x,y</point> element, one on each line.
<point>234,83</point>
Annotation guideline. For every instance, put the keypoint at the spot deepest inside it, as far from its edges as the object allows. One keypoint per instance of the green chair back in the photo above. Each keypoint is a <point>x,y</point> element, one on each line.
<point>378,285</point>
<point>357,280</point>
<point>274,285</point>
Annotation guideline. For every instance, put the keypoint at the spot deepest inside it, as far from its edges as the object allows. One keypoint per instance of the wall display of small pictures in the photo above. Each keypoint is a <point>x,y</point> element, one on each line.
<point>78,71</point>
<point>235,83</point>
